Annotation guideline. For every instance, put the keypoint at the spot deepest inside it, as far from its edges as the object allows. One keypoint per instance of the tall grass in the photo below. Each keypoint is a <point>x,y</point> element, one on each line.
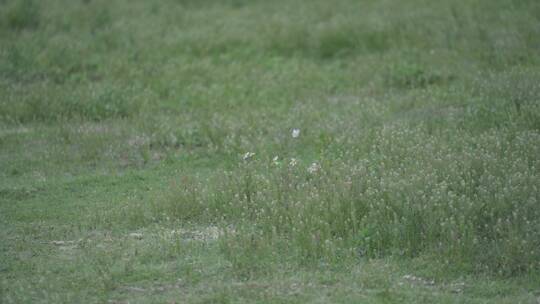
<point>470,201</point>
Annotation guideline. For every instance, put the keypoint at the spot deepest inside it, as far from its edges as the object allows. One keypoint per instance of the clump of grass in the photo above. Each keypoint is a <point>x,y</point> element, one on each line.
<point>311,37</point>
<point>469,204</point>
<point>507,99</point>
<point>411,76</point>
<point>22,14</point>
<point>52,103</point>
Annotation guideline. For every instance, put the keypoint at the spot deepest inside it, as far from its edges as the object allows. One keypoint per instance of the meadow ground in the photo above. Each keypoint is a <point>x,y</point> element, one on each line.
<point>147,151</point>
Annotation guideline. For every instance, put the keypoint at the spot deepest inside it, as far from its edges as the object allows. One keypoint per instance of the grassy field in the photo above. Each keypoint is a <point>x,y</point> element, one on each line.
<point>287,151</point>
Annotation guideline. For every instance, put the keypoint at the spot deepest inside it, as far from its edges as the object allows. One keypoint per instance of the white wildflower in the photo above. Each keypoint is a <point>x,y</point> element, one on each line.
<point>295,133</point>
<point>248,156</point>
<point>293,162</point>
<point>275,160</point>
<point>314,168</point>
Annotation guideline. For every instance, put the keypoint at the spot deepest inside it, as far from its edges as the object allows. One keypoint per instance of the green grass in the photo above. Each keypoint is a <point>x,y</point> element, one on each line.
<point>124,126</point>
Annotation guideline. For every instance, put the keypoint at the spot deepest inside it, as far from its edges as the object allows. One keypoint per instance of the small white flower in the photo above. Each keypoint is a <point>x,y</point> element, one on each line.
<point>293,162</point>
<point>295,133</point>
<point>248,155</point>
<point>314,168</point>
<point>275,160</point>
